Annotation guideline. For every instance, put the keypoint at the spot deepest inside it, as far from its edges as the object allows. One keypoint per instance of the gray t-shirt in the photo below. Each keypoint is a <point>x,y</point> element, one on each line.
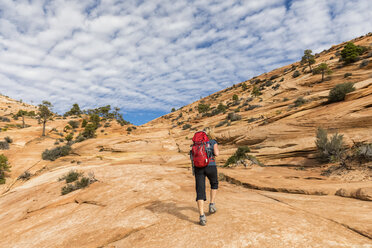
<point>212,161</point>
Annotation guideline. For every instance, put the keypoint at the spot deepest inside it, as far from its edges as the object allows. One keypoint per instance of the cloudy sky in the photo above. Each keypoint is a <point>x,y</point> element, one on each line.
<point>151,55</point>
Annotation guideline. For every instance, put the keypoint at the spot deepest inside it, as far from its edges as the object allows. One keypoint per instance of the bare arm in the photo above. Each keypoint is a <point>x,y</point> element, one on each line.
<point>215,150</point>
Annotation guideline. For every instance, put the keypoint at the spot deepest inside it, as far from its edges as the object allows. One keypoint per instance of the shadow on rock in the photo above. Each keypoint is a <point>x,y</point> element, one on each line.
<point>171,208</point>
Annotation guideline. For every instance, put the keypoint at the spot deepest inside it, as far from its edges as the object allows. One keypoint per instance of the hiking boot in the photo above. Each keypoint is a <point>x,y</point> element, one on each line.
<point>212,208</point>
<point>203,220</point>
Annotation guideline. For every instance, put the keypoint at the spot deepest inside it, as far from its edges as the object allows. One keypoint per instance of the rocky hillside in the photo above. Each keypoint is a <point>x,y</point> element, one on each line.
<point>132,186</point>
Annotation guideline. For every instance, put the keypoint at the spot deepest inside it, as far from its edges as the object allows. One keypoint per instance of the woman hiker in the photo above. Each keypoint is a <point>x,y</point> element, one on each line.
<point>209,171</point>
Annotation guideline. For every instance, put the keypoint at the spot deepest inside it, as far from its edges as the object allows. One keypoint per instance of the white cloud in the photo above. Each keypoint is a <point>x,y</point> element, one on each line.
<point>156,55</point>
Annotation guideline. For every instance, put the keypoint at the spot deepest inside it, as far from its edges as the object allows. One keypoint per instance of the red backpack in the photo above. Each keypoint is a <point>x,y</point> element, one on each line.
<point>198,153</point>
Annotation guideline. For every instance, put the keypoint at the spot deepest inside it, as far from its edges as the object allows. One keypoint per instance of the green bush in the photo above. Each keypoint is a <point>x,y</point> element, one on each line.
<point>74,124</point>
<point>203,108</point>
<point>25,176</point>
<point>347,74</point>
<point>4,145</point>
<point>233,116</point>
<point>69,137</point>
<point>256,91</point>
<point>89,131</point>
<point>299,101</point>
<point>4,167</point>
<point>186,126</point>
<point>71,176</point>
<point>78,184</point>
<point>240,154</point>
<point>364,63</point>
<point>173,109</point>
<point>244,86</point>
<point>8,139</point>
<point>274,77</point>
<point>84,123</point>
<point>329,149</point>
<point>296,74</point>
<point>351,52</point>
<point>79,138</point>
<point>220,124</point>
<point>339,92</point>
<point>57,152</point>
<point>4,119</point>
<point>235,97</point>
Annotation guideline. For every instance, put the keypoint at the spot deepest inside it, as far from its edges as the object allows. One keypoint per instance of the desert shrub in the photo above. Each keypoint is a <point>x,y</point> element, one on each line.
<point>220,124</point>
<point>351,52</point>
<point>84,123</point>
<point>57,152</point>
<point>67,127</point>
<point>252,119</point>
<point>329,149</point>
<point>347,74</point>
<point>235,97</point>
<point>4,145</point>
<point>74,124</point>
<point>221,107</point>
<point>233,116</point>
<point>83,182</point>
<point>69,137</point>
<point>268,83</point>
<point>296,74</point>
<point>107,124</point>
<point>79,138</point>
<point>71,176</point>
<point>244,86</point>
<point>240,154</point>
<point>4,167</point>
<point>339,92</point>
<point>250,107</point>
<point>364,63</point>
<point>186,126</point>
<point>274,77</point>
<point>8,139</point>
<point>4,119</point>
<point>89,131</point>
<point>276,87</point>
<point>61,140</point>
<point>129,129</point>
<point>56,142</point>
<point>173,109</point>
<point>203,108</point>
<point>299,101</point>
<point>281,80</point>
<point>24,176</point>
<point>364,151</point>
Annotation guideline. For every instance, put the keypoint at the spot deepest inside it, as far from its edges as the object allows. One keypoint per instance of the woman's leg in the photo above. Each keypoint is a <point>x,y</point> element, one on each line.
<point>200,189</point>
<point>212,175</point>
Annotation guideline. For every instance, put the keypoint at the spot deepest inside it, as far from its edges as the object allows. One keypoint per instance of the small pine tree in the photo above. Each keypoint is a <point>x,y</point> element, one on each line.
<point>84,123</point>
<point>308,58</point>
<point>45,113</point>
<point>323,68</point>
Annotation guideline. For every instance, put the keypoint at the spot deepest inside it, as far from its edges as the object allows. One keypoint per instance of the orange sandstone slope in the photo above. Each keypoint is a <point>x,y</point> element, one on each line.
<point>144,196</point>
<point>278,132</point>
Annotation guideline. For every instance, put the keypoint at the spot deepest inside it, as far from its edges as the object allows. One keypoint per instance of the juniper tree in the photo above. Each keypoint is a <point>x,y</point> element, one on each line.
<point>45,113</point>
<point>323,68</point>
<point>22,113</point>
<point>308,58</point>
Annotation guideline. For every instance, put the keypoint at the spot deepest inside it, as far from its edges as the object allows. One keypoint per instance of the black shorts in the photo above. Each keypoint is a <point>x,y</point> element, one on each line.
<point>200,174</point>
